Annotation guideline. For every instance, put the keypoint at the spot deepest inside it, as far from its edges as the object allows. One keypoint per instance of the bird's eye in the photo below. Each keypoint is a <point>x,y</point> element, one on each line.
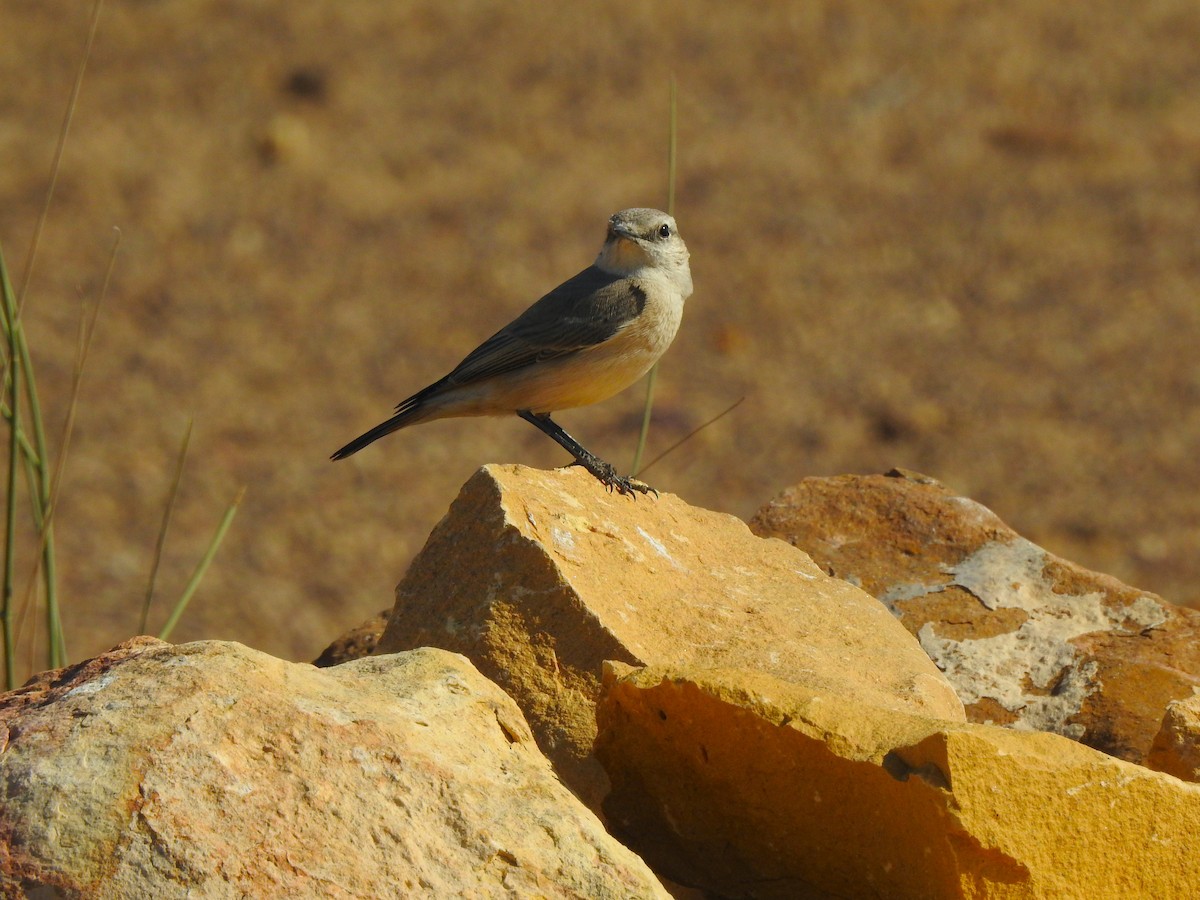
<point>664,230</point>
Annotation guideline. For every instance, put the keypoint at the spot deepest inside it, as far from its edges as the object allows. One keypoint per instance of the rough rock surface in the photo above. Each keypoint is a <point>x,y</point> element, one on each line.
<point>539,577</point>
<point>1027,638</point>
<point>1176,747</point>
<point>212,770</point>
<point>750,787</point>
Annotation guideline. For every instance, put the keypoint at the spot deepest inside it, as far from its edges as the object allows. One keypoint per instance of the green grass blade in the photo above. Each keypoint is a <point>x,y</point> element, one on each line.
<point>10,519</point>
<point>647,409</point>
<point>32,455</point>
<point>42,489</point>
<point>87,328</point>
<point>201,568</point>
<point>27,450</point>
<point>166,524</point>
<point>40,495</point>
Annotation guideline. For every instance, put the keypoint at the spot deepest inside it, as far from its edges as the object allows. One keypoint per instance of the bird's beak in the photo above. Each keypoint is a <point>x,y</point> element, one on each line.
<point>616,232</point>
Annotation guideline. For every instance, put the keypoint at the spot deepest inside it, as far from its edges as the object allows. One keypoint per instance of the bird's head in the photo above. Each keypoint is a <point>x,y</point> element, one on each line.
<point>643,238</point>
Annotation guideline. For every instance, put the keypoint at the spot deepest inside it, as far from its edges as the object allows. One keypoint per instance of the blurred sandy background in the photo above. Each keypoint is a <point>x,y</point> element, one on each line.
<point>955,237</point>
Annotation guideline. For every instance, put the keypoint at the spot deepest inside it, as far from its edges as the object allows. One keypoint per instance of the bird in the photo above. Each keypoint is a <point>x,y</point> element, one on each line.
<point>589,338</point>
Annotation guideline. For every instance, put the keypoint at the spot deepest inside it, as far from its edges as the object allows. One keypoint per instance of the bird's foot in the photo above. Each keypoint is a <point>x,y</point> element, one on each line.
<point>627,484</point>
<point>607,475</point>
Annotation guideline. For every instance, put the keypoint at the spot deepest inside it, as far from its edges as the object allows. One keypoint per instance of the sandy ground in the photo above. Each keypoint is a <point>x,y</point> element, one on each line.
<point>955,237</point>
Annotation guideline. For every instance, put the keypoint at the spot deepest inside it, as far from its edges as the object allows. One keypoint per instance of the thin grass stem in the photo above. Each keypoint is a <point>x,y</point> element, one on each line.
<point>652,375</point>
<point>161,543</point>
<point>691,434</point>
<point>27,450</point>
<point>56,165</point>
<point>202,567</point>
<point>41,491</point>
<point>10,507</point>
<point>87,328</point>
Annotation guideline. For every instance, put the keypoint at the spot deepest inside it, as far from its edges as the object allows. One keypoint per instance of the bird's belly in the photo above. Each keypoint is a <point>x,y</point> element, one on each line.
<point>579,382</point>
<point>600,372</point>
<point>579,379</point>
<point>584,378</point>
<point>590,375</point>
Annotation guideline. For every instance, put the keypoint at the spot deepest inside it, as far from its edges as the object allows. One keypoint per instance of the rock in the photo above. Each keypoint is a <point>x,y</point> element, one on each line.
<point>747,786</point>
<point>356,643</point>
<point>1176,747</point>
<point>539,577</point>
<point>212,770</point>
<point>1027,638</point>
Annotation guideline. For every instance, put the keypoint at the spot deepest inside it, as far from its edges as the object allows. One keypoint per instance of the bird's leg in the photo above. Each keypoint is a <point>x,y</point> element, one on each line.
<point>604,472</point>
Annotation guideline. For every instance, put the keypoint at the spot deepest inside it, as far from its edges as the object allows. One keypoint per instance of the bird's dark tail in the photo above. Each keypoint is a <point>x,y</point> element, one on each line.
<point>410,412</point>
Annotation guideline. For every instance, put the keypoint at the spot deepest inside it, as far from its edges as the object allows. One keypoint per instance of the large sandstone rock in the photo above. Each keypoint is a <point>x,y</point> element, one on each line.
<point>212,770</point>
<point>1027,638</point>
<point>539,577</point>
<point>751,787</point>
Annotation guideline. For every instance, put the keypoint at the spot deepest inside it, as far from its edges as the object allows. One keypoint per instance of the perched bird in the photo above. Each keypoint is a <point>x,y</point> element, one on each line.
<point>587,339</point>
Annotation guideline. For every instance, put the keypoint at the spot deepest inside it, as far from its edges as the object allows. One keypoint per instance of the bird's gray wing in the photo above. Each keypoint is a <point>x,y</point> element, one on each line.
<point>584,311</point>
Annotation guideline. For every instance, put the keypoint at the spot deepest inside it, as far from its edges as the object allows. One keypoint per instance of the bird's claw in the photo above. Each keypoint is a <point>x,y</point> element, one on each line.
<point>606,474</point>
<point>630,486</point>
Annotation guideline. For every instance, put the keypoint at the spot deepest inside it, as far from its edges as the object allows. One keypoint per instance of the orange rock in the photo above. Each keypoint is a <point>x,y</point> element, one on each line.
<point>1027,638</point>
<point>1176,747</point>
<point>746,786</point>
<point>538,577</point>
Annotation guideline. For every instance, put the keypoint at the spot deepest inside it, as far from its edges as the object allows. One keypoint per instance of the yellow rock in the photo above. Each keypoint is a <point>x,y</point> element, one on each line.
<point>210,770</point>
<point>538,577</point>
<point>752,787</point>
